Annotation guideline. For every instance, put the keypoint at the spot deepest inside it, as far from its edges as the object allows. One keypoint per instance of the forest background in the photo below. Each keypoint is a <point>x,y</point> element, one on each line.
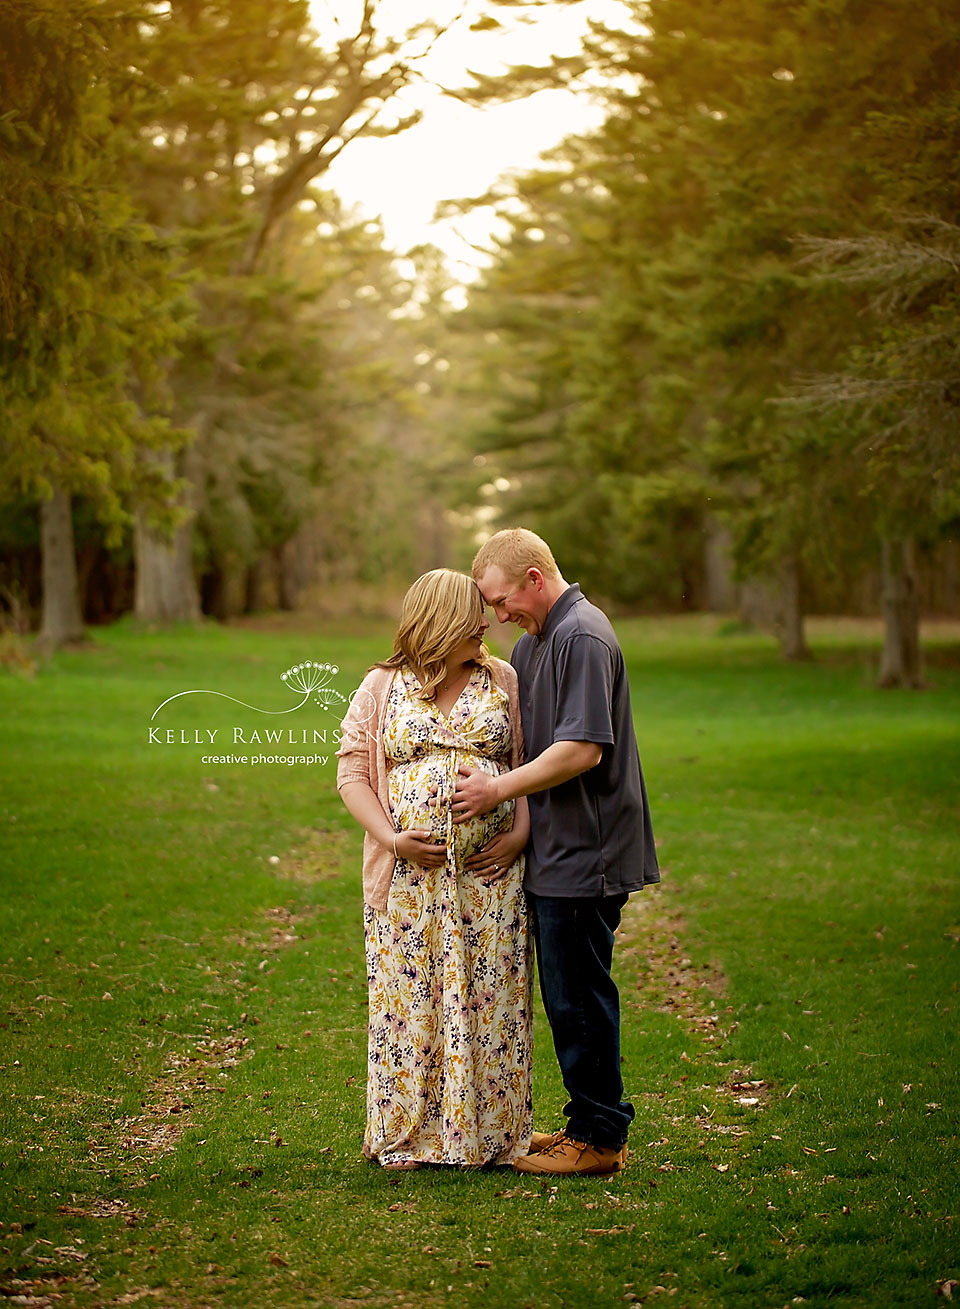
<point>714,358</point>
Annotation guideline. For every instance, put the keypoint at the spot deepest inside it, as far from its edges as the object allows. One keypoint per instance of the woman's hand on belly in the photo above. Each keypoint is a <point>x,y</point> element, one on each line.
<point>417,846</point>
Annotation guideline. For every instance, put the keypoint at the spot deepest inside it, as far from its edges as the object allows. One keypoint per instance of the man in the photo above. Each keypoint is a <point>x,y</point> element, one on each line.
<point>591,842</point>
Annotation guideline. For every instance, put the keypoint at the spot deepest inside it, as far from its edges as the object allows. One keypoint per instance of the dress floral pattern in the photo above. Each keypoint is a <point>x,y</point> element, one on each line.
<point>448,966</point>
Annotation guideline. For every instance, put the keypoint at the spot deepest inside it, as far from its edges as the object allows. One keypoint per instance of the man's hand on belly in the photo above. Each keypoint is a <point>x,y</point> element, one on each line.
<point>497,856</point>
<point>476,793</point>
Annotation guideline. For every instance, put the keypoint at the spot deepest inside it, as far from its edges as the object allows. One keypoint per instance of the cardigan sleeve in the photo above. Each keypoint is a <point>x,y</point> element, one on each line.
<point>506,678</point>
<point>359,732</point>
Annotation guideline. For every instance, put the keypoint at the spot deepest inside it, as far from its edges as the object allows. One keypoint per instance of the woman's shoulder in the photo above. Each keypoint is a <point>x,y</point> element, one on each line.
<point>375,684</point>
<point>378,675</point>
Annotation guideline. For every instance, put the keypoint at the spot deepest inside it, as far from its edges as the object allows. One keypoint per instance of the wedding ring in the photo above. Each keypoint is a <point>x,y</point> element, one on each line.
<point>496,868</point>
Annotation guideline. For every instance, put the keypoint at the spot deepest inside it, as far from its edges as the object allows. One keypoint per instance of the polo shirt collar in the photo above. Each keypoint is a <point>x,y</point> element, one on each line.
<point>560,607</point>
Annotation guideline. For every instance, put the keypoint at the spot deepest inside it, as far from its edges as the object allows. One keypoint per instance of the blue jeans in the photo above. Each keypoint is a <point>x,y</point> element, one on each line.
<point>574,952</point>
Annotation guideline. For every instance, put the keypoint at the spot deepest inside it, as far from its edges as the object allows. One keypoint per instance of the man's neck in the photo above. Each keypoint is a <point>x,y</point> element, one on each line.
<point>553,589</point>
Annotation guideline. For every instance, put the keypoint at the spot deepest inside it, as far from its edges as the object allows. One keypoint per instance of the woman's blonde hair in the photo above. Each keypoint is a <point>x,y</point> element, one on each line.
<point>440,610</point>
<point>513,551</point>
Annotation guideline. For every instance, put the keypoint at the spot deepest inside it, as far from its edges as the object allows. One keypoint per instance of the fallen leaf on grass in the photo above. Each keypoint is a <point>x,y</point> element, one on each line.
<point>517,1192</point>
<point>721,1168</point>
<point>402,1207</point>
<point>482,1263</point>
<point>609,1231</point>
<point>103,1209</point>
<point>278,1261</point>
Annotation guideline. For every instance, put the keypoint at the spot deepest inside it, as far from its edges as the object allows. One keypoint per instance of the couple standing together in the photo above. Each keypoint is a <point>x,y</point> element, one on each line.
<point>470,851</point>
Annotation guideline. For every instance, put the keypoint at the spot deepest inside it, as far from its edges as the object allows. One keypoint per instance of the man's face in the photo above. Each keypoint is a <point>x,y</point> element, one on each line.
<point>520,602</point>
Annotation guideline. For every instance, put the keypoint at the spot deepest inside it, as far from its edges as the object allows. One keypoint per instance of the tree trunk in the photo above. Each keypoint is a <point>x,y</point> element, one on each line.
<point>61,619</point>
<point>721,593</point>
<point>254,600</point>
<point>790,631</point>
<point>950,579</point>
<point>775,604</point>
<point>215,592</point>
<point>754,604</point>
<point>900,664</point>
<point>287,583</point>
<point>91,601</point>
<point>166,589</point>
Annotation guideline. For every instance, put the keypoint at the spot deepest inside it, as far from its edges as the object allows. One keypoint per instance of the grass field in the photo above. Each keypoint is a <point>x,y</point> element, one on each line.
<point>182,1021</point>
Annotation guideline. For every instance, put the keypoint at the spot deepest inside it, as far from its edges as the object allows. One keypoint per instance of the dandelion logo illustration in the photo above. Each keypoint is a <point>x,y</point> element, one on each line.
<point>310,678</point>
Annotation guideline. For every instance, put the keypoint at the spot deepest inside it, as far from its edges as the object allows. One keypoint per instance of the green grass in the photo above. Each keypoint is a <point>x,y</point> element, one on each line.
<point>805,938</point>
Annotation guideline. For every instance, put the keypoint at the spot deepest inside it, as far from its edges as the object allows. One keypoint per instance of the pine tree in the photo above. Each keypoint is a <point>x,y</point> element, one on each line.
<point>87,304</point>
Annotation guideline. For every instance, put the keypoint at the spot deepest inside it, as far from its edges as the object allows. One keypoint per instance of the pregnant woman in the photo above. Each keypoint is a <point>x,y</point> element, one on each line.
<point>448,1073</point>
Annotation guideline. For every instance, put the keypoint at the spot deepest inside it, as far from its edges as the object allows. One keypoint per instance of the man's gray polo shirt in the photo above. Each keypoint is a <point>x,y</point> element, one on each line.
<point>590,836</point>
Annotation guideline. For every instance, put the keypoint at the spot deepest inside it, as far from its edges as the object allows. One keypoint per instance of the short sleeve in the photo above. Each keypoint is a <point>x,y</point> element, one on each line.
<point>585,677</point>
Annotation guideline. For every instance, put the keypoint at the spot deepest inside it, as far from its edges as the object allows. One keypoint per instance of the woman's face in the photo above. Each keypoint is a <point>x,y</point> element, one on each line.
<point>468,649</point>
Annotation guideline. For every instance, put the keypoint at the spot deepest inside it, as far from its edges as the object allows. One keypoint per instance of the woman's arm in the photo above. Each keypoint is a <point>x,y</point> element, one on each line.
<point>364,804</point>
<point>417,846</point>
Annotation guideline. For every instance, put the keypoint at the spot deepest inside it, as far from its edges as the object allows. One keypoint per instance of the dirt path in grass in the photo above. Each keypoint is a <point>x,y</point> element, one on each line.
<point>44,1275</point>
<point>653,939</point>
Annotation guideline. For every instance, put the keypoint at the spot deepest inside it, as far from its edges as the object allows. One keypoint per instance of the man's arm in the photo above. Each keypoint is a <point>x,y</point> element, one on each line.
<point>478,792</point>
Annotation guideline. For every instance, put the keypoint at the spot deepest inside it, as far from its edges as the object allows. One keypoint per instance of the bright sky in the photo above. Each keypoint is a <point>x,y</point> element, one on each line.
<point>457,151</point>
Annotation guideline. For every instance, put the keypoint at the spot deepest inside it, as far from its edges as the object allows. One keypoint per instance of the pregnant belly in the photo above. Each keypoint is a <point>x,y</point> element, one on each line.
<point>413,784</point>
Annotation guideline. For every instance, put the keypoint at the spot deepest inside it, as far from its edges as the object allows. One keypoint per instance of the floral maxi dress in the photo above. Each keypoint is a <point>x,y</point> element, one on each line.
<point>448,967</point>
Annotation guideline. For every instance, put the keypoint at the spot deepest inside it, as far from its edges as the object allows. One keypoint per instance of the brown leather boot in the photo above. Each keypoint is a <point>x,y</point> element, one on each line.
<point>545,1140</point>
<point>568,1157</point>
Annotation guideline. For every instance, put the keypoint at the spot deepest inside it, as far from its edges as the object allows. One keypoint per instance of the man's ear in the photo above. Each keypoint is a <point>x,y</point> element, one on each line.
<point>535,578</point>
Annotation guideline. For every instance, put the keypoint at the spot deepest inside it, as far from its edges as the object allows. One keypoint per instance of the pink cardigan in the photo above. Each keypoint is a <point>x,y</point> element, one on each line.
<point>361,759</point>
